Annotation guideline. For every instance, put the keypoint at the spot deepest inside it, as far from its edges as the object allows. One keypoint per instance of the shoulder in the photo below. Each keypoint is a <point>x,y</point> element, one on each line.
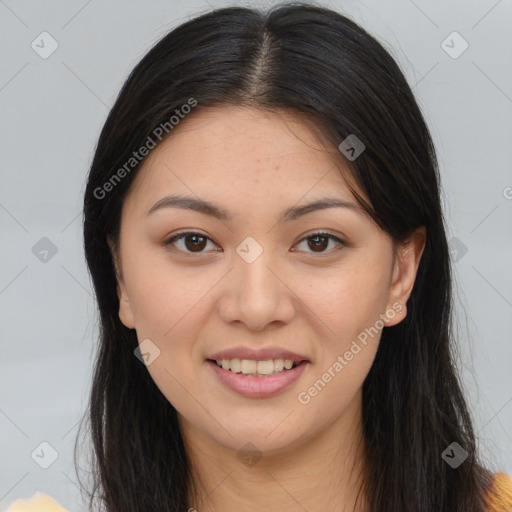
<point>39,502</point>
<point>499,498</point>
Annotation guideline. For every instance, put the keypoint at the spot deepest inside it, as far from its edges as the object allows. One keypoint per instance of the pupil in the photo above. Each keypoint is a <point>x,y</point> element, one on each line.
<point>320,245</point>
<point>192,246</point>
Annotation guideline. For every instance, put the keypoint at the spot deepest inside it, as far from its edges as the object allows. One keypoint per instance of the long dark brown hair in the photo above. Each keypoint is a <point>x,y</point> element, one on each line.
<point>316,62</point>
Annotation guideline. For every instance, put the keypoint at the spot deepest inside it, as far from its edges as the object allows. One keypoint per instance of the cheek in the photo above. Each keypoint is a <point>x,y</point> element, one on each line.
<point>168,304</point>
<point>166,307</point>
<point>162,296</point>
<point>350,299</point>
<point>349,308</point>
<point>349,305</point>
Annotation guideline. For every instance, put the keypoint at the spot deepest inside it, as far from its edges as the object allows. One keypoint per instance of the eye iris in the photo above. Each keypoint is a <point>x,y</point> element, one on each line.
<point>192,247</point>
<point>317,244</point>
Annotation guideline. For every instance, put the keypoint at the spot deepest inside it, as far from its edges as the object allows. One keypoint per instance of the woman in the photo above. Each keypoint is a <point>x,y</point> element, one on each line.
<point>263,227</point>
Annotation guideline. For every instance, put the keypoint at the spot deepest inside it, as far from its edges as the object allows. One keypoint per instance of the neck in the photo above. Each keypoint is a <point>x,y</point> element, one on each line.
<point>322,471</point>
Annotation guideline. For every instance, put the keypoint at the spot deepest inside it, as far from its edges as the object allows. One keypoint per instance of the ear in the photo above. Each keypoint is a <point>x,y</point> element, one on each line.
<point>406,263</point>
<point>125,311</point>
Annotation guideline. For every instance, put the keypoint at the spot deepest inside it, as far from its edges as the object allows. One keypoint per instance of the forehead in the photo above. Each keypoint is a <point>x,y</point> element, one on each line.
<point>227,123</point>
<point>247,152</point>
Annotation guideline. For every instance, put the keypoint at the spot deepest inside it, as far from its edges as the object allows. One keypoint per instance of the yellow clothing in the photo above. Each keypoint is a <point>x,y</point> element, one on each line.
<point>500,499</point>
<point>40,502</point>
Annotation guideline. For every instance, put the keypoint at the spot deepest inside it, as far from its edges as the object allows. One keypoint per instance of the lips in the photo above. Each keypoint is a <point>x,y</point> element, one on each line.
<point>261,354</point>
<point>256,387</point>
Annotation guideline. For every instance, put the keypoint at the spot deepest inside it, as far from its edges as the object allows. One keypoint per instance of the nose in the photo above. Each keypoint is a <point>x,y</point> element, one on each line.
<point>257,294</point>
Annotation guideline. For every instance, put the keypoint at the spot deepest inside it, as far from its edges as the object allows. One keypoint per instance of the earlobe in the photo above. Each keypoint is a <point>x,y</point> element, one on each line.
<point>405,268</point>
<point>125,311</point>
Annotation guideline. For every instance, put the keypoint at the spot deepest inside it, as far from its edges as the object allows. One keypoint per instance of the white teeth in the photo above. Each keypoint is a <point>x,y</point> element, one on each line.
<point>253,367</point>
<point>235,366</point>
<point>265,367</point>
<point>278,365</point>
<point>249,366</point>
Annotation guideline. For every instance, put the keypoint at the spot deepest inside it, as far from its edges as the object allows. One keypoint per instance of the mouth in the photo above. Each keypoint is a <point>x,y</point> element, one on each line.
<point>257,378</point>
<point>258,368</point>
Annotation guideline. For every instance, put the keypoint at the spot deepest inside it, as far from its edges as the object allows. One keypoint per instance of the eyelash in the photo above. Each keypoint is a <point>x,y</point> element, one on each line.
<point>330,236</point>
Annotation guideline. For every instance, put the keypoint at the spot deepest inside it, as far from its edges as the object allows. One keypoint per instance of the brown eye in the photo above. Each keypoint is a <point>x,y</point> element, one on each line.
<point>195,243</point>
<point>190,242</point>
<point>318,242</point>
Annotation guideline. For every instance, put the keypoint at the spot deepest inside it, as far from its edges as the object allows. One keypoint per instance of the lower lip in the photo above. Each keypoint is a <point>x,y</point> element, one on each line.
<point>258,387</point>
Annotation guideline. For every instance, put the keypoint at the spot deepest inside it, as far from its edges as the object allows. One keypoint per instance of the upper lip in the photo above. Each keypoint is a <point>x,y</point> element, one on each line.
<point>261,354</point>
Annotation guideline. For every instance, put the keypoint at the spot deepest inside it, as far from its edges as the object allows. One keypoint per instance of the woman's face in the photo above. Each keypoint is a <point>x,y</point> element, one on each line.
<point>251,278</point>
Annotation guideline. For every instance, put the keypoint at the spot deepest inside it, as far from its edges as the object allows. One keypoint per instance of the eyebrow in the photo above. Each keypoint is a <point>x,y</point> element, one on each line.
<point>208,208</point>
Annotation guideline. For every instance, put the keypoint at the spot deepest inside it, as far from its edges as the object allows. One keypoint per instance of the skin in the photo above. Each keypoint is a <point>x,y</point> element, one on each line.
<point>191,304</point>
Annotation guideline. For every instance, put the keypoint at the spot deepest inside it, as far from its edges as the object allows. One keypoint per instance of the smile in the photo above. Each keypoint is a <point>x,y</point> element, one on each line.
<point>257,379</point>
<point>266,368</point>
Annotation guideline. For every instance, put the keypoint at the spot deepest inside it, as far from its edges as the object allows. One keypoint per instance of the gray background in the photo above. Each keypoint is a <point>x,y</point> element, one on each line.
<point>51,113</point>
